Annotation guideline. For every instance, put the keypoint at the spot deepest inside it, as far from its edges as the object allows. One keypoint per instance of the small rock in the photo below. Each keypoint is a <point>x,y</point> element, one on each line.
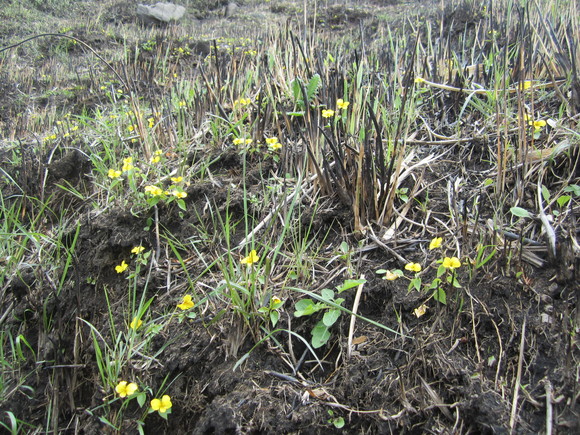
<point>230,9</point>
<point>160,12</point>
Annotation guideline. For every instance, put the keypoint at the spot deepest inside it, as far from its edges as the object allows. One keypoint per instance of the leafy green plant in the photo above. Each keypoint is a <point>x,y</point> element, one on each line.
<point>337,422</point>
<point>304,95</point>
<point>330,304</point>
<point>444,279</point>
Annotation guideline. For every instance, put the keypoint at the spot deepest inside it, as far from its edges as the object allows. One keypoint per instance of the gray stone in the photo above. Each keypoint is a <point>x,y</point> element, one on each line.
<point>230,9</point>
<point>160,12</point>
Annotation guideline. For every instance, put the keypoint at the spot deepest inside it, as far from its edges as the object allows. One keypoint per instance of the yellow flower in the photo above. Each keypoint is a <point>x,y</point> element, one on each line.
<point>251,259</point>
<point>151,122</point>
<point>276,300</point>
<point>526,85</point>
<point>127,164</point>
<point>249,141</point>
<point>182,104</point>
<point>176,179</point>
<point>137,249</point>
<point>419,80</point>
<point>451,263</point>
<point>186,303</point>
<point>179,194</point>
<point>135,323</point>
<point>238,141</point>
<point>341,104</point>
<point>114,173</point>
<point>271,140</point>
<point>538,125</point>
<point>131,128</point>
<point>124,389</point>
<point>243,102</point>
<point>161,405</point>
<point>420,311</point>
<point>413,267</point>
<point>153,190</point>
<point>390,276</point>
<point>275,146</point>
<point>435,243</point>
<point>327,113</point>
<point>156,156</point>
<point>121,267</point>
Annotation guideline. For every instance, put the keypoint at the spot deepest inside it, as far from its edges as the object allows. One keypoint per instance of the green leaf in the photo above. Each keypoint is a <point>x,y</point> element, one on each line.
<point>545,193</point>
<point>305,307</point>
<point>330,317</point>
<point>415,283</point>
<point>312,88</point>
<point>573,188</point>
<point>520,212</point>
<point>327,294</point>
<point>339,301</point>
<point>274,317</point>
<point>563,200</point>
<point>434,284</point>
<point>320,335</point>
<point>350,283</point>
<point>440,296</point>
<point>338,422</point>
<point>453,281</point>
<point>295,113</point>
<point>297,91</point>
<point>141,398</point>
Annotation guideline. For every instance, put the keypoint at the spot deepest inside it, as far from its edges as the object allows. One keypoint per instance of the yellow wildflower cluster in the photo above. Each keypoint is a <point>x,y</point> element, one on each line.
<point>240,141</point>
<point>341,104</point>
<point>114,173</point>
<point>126,389</point>
<point>243,102</point>
<point>128,164</point>
<point>153,190</point>
<point>538,125</point>
<point>273,143</point>
<point>156,156</point>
